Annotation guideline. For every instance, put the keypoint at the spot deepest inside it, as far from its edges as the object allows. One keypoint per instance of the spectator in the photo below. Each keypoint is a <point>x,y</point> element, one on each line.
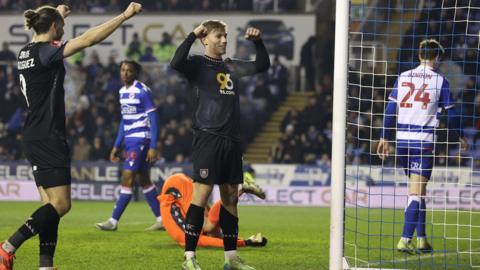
<point>81,150</point>
<point>6,54</point>
<point>148,55</point>
<point>292,117</point>
<point>135,48</point>
<point>165,49</point>
<point>307,62</point>
<point>277,152</point>
<point>262,5</point>
<point>99,150</point>
<point>112,71</point>
<point>278,79</point>
<point>312,112</point>
<point>184,140</point>
<point>170,148</point>
<point>93,71</point>
<point>261,92</point>
<point>169,110</point>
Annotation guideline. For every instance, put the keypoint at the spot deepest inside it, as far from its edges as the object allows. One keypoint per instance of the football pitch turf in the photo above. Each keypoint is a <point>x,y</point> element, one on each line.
<point>298,239</point>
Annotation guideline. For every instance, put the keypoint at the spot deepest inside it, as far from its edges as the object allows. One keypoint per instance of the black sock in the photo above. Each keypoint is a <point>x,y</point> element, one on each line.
<point>39,220</point>
<point>229,225</point>
<point>193,226</point>
<point>48,243</point>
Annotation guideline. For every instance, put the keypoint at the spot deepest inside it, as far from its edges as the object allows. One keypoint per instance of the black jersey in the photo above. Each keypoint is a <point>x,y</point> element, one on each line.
<point>215,85</point>
<point>41,71</point>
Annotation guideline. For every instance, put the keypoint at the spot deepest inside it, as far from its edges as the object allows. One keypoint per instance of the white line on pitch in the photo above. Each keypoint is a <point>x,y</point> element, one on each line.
<point>427,256</point>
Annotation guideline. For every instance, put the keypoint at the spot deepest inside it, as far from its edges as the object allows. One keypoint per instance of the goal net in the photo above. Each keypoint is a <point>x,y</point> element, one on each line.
<point>384,38</point>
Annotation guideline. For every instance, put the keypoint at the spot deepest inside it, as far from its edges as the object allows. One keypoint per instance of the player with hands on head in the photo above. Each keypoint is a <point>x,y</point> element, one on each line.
<point>417,97</point>
<point>42,73</point>
<point>217,154</point>
<point>139,131</point>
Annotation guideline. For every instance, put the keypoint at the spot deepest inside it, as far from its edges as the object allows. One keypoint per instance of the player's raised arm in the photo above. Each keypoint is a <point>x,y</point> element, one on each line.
<point>98,33</point>
<point>262,60</point>
<point>180,61</point>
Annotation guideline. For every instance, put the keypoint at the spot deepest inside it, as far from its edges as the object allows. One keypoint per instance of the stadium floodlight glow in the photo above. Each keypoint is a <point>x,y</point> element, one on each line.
<point>375,43</point>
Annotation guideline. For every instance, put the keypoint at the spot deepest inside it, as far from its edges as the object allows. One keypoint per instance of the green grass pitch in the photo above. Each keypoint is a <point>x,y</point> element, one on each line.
<point>371,236</point>
<point>298,239</point>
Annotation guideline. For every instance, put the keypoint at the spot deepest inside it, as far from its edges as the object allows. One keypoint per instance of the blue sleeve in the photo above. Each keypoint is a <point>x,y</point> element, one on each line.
<point>119,139</point>
<point>446,100</point>
<point>454,122</point>
<point>388,121</point>
<point>152,116</point>
<point>147,101</point>
<point>394,94</point>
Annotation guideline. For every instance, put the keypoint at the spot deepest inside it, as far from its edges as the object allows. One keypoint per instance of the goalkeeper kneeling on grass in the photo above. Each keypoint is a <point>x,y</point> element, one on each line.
<point>174,202</point>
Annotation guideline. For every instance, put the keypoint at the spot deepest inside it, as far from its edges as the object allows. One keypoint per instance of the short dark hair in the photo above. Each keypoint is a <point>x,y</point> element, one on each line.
<point>136,66</point>
<point>430,49</point>
<point>41,19</point>
<point>215,25</point>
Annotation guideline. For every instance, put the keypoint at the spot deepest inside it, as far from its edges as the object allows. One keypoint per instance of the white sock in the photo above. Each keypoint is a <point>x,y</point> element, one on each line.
<point>159,219</point>
<point>8,247</point>
<point>406,239</point>
<point>189,255</point>
<point>113,221</point>
<point>46,268</point>
<point>230,254</point>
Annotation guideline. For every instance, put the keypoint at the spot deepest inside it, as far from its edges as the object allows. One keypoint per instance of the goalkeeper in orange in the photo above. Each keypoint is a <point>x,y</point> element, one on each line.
<point>174,202</point>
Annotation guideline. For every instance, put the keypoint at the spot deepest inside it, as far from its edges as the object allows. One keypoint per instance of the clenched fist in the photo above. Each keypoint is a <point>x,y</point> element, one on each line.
<point>253,34</point>
<point>132,10</point>
<point>200,31</point>
<point>64,10</point>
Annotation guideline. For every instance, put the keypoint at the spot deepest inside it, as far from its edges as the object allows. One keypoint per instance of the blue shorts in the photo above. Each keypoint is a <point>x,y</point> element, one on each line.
<point>416,160</point>
<point>136,155</point>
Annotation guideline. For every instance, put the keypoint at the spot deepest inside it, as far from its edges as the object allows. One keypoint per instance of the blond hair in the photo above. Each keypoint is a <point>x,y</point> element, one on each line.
<point>214,25</point>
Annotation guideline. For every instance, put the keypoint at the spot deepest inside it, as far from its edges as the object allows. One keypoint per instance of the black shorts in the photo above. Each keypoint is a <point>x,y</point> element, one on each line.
<point>216,159</point>
<point>50,160</point>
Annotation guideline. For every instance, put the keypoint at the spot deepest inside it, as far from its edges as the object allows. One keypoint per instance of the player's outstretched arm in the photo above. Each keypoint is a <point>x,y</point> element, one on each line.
<point>180,58</point>
<point>98,33</point>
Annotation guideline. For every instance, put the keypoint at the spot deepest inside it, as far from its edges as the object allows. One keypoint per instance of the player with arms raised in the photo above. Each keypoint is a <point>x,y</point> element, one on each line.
<point>417,97</point>
<point>41,72</point>
<point>217,156</point>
